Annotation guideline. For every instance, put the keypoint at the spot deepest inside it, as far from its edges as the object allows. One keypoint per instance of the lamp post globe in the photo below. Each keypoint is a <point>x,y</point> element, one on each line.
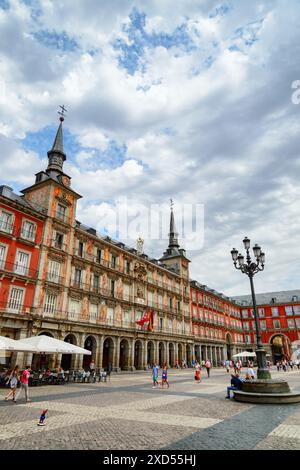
<point>250,268</point>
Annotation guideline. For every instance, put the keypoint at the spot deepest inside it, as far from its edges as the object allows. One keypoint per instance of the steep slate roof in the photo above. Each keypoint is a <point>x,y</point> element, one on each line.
<point>266,298</point>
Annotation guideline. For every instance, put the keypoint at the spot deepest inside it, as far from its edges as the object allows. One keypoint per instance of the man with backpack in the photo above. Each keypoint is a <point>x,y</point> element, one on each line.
<point>236,384</point>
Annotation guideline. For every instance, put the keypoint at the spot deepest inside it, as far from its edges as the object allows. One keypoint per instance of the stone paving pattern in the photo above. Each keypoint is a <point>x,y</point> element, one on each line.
<point>127,413</point>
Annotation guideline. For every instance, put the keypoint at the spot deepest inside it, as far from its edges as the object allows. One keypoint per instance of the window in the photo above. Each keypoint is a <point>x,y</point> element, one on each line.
<point>93,312</point>
<point>15,302</point>
<point>296,309</point>
<point>6,221</point>
<point>61,211</point>
<point>297,322</point>
<point>113,261</point>
<point>2,256</point>
<point>28,230</point>
<point>112,287</point>
<point>245,313</point>
<point>247,339</point>
<point>98,256</point>
<point>22,263</point>
<point>178,305</point>
<point>274,311</point>
<point>77,277</point>
<point>246,325</point>
<point>59,241</point>
<point>289,310</point>
<point>50,304</point>
<point>276,324</point>
<point>263,325</point>
<point>96,282</point>
<point>291,324</point>
<point>80,249</point>
<point>54,271</point>
<point>110,314</point>
<point>261,312</point>
<point>74,309</point>
<point>160,323</point>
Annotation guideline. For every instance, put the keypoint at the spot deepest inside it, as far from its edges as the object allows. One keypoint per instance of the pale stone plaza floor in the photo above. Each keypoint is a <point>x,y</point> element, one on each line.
<point>127,413</point>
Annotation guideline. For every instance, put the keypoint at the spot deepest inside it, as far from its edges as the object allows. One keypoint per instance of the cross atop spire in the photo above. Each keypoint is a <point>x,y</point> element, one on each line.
<point>56,155</point>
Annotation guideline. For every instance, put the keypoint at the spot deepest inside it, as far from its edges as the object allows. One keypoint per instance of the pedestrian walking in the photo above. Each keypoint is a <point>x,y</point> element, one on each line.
<point>13,380</point>
<point>197,373</point>
<point>24,385</point>
<point>208,366</point>
<point>155,376</point>
<point>164,376</point>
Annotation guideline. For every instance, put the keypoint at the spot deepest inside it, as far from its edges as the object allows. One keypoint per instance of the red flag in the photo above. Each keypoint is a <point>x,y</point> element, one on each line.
<point>144,319</point>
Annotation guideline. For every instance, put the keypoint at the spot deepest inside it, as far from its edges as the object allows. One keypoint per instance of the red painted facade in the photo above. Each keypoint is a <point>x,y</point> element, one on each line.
<point>21,230</point>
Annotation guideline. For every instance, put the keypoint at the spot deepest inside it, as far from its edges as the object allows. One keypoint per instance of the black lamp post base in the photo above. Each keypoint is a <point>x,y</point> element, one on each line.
<point>263,371</point>
<point>263,374</point>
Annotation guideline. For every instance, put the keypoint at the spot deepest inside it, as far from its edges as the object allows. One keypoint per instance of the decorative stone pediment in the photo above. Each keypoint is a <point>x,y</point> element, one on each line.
<point>75,295</point>
<point>79,264</point>
<point>63,200</point>
<point>140,270</point>
<point>60,226</point>
<point>57,257</point>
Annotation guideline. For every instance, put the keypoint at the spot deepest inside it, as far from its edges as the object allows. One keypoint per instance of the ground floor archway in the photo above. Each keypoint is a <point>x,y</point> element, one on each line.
<point>180,354</point>
<point>43,361</point>
<point>281,348</point>
<point>171,355</point>
<point>138,355</point>
<point>150,353</point>
<point>124,355</point>
<point>108,353</point>
<point>91,345</point>
<point>229,346</point>
<point>68,360</point>
<point>161,354</point>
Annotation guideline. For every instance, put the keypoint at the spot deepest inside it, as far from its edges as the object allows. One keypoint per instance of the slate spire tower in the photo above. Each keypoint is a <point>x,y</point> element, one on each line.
<point>57,156</point>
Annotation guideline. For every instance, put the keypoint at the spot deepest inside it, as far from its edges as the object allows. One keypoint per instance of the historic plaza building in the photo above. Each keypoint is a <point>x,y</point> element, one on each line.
<point>61,278</point>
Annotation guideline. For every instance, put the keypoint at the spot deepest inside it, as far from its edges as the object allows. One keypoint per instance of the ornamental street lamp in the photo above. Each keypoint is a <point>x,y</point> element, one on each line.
<point>250,268</point>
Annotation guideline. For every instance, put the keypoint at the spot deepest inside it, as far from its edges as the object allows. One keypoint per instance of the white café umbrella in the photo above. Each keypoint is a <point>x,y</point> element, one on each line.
<point>245,354</point>
<point>47,345</point>
<point>8,344</point>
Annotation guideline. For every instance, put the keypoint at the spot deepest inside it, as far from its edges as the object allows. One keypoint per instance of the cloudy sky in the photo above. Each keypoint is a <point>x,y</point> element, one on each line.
<point>190,100</point>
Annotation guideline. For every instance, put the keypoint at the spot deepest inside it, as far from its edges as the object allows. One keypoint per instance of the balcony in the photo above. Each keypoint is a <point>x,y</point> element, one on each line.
<point>18,270</point>
<point>58,245</point>
<point>78,284</point>
<point>27,235</point>
<point>55,278</point>
<point>62,217</point>
<point>15,307</point>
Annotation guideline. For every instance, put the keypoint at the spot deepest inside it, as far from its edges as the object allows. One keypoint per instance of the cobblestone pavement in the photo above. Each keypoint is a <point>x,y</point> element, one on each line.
<point>127,413</point>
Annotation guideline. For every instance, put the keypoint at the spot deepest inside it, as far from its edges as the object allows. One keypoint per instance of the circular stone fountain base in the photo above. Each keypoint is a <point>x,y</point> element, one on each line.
<point>266,391</point>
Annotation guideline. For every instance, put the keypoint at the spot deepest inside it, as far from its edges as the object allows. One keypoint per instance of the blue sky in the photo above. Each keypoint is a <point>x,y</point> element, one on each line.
<point>192,102</point>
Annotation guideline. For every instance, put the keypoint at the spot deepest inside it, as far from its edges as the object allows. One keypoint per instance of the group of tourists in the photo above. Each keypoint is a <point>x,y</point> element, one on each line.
<point>164,376</point>
<point>13,378</point>
<point>286,365</point>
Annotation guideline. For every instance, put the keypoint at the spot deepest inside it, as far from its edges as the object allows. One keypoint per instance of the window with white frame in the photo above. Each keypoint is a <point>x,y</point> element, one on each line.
<point>263,325</point>
<point>74,309</point>
<point>110,314</point>
<point>28,230</point>
<point>291,324</point>
<point>6,221</point>
<point>127,317</point>
<point>50,303</point>
<point>15,302</point>
<point>245,313</point>
<point>276,324</point>
<point>274,311</point>
<point>22,263</point>
<point>53,274</point>
<point>170,325</point>
<point>261,312</point>
<point>2,256</point>
<point>246,325</point>
<point>288,310</point>
<point>296,309</point>
<point>93,312</point>
<point>297,320</point>
<point>247,339</point>
<point>61,211</point>
<point>160,323</point>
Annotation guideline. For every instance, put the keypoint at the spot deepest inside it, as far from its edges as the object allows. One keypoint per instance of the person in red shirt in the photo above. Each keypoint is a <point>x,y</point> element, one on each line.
<point>24,384</point>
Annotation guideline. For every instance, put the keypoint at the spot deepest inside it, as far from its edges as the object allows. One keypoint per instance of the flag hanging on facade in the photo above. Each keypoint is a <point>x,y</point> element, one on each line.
<point>145,318</point>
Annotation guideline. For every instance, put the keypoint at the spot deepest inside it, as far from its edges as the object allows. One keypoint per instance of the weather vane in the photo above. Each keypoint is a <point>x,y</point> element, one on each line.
<point>62,112</point>
<point>171,203</point>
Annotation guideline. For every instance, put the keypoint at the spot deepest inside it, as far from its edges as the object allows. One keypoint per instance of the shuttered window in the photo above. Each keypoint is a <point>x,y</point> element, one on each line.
<point>15,302</point>
<point>2,256</point>
<point>22,263</point>
<point>74,309</point>
<point>54,271</point>
<point>50,304</point>
<point>6,222</point>
<point>28,230</point>
<point>93,312</point>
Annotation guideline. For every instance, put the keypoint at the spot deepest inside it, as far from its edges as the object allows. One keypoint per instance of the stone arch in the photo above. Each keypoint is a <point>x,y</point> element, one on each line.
<point>150,353</point>
<point>229,346</point>
<point>108,352</point>
<point>161,354</point>
<point>124,354</point>
<point>138,354</point>
<point>68,360</point>
<point>280,346</point>
<point>180,353</point>
<point>171,355</point>
<point>188,355</point>
<point>90,343</point>
<point>43,361</point>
